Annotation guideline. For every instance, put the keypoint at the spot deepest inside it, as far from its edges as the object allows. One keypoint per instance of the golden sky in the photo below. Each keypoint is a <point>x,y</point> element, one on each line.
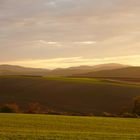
<point>64,33</point>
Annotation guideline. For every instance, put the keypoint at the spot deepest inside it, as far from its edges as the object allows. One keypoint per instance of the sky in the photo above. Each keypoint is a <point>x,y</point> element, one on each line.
<point>65,33</point>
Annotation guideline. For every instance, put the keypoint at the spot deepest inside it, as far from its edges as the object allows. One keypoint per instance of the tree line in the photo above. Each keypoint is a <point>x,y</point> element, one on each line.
<point>36,108</point>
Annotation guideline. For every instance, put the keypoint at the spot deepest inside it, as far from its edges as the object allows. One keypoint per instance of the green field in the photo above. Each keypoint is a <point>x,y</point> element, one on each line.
<point>45,127</point>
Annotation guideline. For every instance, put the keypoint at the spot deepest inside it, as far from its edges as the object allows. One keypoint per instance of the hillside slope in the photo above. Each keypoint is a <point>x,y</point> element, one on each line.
<point>129,72</point>
<point>66,94</point>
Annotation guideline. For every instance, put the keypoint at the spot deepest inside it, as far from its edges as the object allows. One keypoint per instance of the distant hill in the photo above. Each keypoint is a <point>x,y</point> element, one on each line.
<point>71,95</point>
<point>85,69</point>
<point>18,70</point>
<point>129,72</point>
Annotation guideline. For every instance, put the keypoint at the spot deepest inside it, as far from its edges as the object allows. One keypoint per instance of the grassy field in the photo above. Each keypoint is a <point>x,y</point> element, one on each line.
<point>72,95</point>
<point>45,127</point>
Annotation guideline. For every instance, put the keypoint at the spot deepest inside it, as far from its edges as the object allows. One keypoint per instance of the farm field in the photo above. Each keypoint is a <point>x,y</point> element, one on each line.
<point>72,95</point>
<point>47,127</point>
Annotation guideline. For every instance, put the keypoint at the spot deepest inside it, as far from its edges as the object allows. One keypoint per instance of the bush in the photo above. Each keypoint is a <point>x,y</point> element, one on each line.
<point>34,108</point>
<point>9,108</point>
<point>106,114</point>
<point>128,115</point>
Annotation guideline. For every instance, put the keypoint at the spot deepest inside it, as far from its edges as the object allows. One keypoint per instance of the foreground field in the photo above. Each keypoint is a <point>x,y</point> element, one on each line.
<point>44,127</point>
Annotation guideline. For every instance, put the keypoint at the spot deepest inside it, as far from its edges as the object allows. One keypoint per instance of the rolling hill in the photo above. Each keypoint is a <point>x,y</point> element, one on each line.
<point>129,72</point>
<point>73,95</point>
<point>85,69</point>
<point>18,70</point>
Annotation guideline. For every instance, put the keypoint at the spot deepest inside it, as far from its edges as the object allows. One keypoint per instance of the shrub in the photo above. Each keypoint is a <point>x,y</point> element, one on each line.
<point>128,115</point>
<point>9,108</point>
<point>106,114</point>
<point>34,108</point>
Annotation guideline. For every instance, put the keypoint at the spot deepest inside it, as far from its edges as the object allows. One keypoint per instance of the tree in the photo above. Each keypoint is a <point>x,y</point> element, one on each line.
<point>34,108</point>
<point>136,109</point>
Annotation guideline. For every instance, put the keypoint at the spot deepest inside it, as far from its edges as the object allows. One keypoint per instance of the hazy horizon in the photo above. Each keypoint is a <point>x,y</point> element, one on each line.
<point>66,33</point>
<point>76,66</point>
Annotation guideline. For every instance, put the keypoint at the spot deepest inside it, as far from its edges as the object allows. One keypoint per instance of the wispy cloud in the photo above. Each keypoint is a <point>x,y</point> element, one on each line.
<point>47,42</point>
<point>57,44</point>
<point>86,42</point>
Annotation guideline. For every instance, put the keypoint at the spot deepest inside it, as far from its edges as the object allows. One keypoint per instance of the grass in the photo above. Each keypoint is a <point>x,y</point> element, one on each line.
<point>46,127</point>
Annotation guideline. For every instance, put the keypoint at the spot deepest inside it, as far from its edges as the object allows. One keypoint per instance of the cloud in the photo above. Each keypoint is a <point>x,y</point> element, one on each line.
<point>86,42</point>
<point>33,29</point>
<point>51,3</point>
<point>56,44</point>
<point>47,42</point>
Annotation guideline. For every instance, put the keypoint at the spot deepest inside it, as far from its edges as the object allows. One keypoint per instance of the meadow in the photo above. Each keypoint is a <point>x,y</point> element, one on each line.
<point>47,127</point>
